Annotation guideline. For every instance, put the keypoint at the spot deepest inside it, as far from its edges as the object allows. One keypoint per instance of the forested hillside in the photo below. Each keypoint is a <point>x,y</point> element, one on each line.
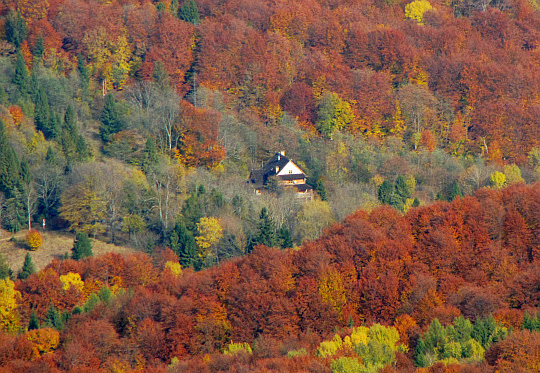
<point>455,284</point>
<point>137,123</point>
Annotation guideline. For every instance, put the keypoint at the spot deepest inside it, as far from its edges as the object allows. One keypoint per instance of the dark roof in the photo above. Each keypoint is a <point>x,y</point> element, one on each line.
<point>293,176</point>
<point>260,176</point>
<point>302,187</point>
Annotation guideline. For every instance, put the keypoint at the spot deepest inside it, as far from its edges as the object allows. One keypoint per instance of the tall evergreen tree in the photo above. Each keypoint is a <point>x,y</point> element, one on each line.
<point>83,72</point>
<point>15,28</point>
<point>189,12</point>
<point>184,245</point>
<point>39,47</point>
<point>9,164</point>
<point>111,121</point>
<point>53,318</point>
<point>5,269</point>
<point>28,268</point>
<point>266,234</point>
<point>402,189</point>
<point>150,157</point>
<point>82,247</point>
<point>386,192</point>
<point>455,191</point>
<point>284,237</point>
<point>419,353</point>
<point>44,121</point>
<point>21,78</point>
<point>33,323</point>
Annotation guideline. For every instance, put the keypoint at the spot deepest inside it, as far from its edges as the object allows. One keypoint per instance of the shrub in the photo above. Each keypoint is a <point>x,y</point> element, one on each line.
<point>34,240</point>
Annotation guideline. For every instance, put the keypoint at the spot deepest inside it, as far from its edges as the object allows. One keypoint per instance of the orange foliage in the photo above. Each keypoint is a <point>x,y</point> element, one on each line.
<point>34,240</point>
<point>16,114</point>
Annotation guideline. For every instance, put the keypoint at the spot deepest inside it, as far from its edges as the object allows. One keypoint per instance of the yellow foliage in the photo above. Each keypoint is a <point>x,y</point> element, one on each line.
<point>210,232</point>
<point>330,348</point>
<point>498,179</point>
<point>9,318</point>
<point>174,267</point>
<point>234,348</point>
<point>34,240</point>
<point>332,290</point>
<point>70,280</point>
<point>360,335</point>
<point>416,9</point>
<point>43,340</point>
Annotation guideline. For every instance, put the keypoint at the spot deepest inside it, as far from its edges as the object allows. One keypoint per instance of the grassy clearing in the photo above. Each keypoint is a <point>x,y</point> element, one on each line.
<point>55,245</point>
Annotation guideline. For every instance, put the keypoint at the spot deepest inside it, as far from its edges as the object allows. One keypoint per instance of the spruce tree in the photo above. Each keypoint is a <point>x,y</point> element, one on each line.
<point>9,164</point>
<point>284,237</point>
<point>22,78</point>
<point>82,247</point>
<point>15,28</point>
<point>5,269</point>
<point>189,12</point>
<point>184,245</point>
<point>39,48</point>
<point>111,121</point>
<point>402,189</point>
<point>53,318</point>
<point>267,230</point>
<point>321,190</point>
<point>44,121</point>
<point>28,268</point>
<point>83,72</point>
<point>455,191</point>
<point>420,353</point>
<point>150,157</point>
<point>386,192</point>
<point>33,323</point>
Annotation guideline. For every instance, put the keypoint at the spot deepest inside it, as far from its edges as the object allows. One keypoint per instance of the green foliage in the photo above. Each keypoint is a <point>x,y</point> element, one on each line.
<point>21,78</point>
<point>189,12</point>
<point>321,190</point>
<point>82,247</point>
<point>184,245</point>
<point>455,190</point>
<point>333,113</point>
<point>9,164</point>
<point>33,323</point>
<point>91,303</point>
<point>5,269</point>
<point>420,352</point>
<point>53,318</point>
<point>15,27</point>
<point>234,348</point>
<point>111,119</point>
<point>27,269</point>
<point>284,237</point>
<point>105,294</point>
<point>346,365</point>
<point>266,234</point>
<point>39,47</point>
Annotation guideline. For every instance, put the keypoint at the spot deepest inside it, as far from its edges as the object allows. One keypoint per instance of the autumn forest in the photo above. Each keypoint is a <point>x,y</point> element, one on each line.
<point>136,123</point>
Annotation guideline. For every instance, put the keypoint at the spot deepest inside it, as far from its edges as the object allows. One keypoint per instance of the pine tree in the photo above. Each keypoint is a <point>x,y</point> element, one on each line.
<point>150,157</point>
<point>82,247</point>
<point>284,237</point>
<point>39,48</point>
<point>189,12</point>
<point>184,245</point>
<point>419,353</point>
<point>83,72</point>
<point>9,164</point>
<point>53,318</point>
<point>28,268</point>
<point>5,269</point>
<point>321,190</point>
<point>111,121</point>
<point>267,230</point>
<point>416,202</point>
<point>386,192</point>
<point>33,323</point>
<point>15,28</point>
<point>42,117</point>
<point>455,191</point>
<point>402,189</point>
<point>21,78</point>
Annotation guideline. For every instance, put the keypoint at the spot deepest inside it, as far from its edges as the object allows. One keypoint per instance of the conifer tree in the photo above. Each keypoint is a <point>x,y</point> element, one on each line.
<point>39,48</point>
<point>82,247</point>
<point>15,28</point>
<point>184,245</point>
<point>386,192</point>
<point>455,191</point>
<point>189,12</point>
<point>150,157</point>
<point>284,237</point>
<point>267,230</point>
<point>5,270</point>
<point>33,323</point>
<point>43,119</point>
<point>53,318</point>
<point>28,268</point>
<point>9,164</point>
<point>402,189</point>
<point>419,353</point>
<point>83,72</point>
<point>111,121</point>
<point>21,78</point>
